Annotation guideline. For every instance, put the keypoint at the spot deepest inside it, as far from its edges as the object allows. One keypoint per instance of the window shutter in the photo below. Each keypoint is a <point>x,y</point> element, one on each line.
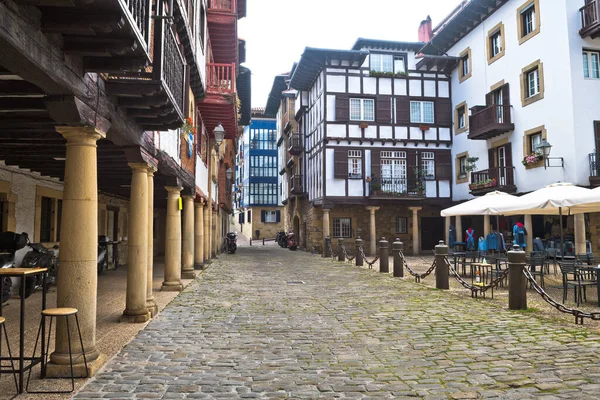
<point>411,167</point>
<point>263,215</point>
<point>597,134</point>
<point>340,164</point>
<point>277,216</point>
<point>492,158</point>
<point>443,168</point>
<point>489,99</point>
<point>443,112</point>
<point>342,108</point>
<point>383,113</point>
<point>509,164</point>
<point>505,94</point>
<point>402,110</point>
<point>376,164</point>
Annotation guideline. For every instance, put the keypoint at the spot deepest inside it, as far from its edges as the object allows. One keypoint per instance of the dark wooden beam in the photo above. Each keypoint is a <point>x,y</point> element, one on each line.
<point>77,23</point>
<point>144,102</point>
<point>113,65</point>
<point>140,89</point>
<point>21,104</point>
<point>19,88</point>
<point>96,47</point>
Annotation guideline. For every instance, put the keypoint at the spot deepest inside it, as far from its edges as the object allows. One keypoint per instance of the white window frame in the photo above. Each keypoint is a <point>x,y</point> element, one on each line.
<point>589,72</point>
<point>528,20</point>
<point>342,227</point>
<point>496,43</point>
<point>270,216</point>
<point>363,111</point>
<point>462,117</point>
<point>378,62</point>
<point>465,65</point>
<point>532,145</point>
<point>401,225</point>
<point>399,60</point>
<point>421,110</point>
<point>428,165</point>
<point>533,77</point>
<point>462,167</point>
<point>355,164</point>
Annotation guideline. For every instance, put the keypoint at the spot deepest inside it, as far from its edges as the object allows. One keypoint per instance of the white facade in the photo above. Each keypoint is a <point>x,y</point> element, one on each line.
<point>567,109</point>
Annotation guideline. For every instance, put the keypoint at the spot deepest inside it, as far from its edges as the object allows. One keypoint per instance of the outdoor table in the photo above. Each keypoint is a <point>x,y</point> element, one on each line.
<point>485,273</point>
<point>23,273</point>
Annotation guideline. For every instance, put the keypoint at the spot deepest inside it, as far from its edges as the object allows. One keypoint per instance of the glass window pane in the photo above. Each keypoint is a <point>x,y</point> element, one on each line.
<point>415,111</point>
<point>428,112</point>
<point>595,72</point>
<point>369,109</point>
<point>354,109</point>
<point>586,71</point>
<point>399,65</point>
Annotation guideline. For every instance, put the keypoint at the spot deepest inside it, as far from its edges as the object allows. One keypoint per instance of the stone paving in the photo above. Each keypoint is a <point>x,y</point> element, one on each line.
<point>269,323</point>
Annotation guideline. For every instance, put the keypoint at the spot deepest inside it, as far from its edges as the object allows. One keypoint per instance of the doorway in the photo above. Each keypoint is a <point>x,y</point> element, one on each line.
<point>432,231</point>
<point>297,228</point>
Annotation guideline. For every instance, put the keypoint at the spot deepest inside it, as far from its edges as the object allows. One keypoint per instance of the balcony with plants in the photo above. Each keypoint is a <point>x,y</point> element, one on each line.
<point>497,178</point>
<point>399,188</point>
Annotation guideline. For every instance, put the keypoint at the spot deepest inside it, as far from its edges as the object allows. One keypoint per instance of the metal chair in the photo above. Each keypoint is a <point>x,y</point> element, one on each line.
<point>534,262</point>
<point>573,276</point>
<point>55,313</point>
<point>12,364</point>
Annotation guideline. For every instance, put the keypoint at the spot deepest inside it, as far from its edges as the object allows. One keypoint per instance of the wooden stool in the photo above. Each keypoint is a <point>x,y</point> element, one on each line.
<point>12,364</point>
<point>52,313</point>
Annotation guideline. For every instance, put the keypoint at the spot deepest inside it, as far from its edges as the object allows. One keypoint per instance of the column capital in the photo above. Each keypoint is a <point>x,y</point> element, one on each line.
<point>80,135</point>
<point>373,208</point>
<point>173,189</point>
<point>139,167</point>
<point>198,204</point>
<point>415,209</point>
<point>151,170</point>
<point>188,196</point>
<point>326,210</point>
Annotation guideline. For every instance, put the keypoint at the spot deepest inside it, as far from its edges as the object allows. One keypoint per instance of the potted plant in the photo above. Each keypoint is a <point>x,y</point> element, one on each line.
<point>363,125</point>
<point>532,158</point>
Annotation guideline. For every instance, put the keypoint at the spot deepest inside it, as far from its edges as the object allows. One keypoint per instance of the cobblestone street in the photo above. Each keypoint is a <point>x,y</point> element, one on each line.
<point>270,323</point>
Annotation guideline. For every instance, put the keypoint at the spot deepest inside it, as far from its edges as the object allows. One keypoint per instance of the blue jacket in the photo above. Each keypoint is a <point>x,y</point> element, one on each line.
<point>492,241</point>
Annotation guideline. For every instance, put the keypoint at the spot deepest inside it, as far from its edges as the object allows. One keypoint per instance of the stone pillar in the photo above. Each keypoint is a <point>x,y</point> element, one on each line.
<point>447,227</point>
<point>487,228</point>
<point>137,247</point>
<point>372,231</point>
<point>415,229</point>
<point>78,281</point>
<point>326,232</point>
<point>215,234</point>
<point>529,236</point>
<point>579,234</point>
<point>187,265</point>
<point>207,233</point>
<point>199,236</point>
<point>460,235</point>
<point>172,280</point>
<point>150,302</point>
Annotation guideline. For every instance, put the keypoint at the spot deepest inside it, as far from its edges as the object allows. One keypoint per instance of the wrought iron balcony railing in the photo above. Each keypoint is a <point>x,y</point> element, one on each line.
<point>395,187</point>
<point>138,14</point>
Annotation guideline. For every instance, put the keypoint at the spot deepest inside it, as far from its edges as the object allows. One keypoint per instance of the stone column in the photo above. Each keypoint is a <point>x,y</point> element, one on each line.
<point>529,236</point>
<point>579,234</point>
<point>150,302</point>
<point>198,235</point>
<point>172,280</point>
<point>187,265</point>
<point>215,233</point>
<point>486,226</point>
<point>372,231</point>
<point>447,227</point>
<point>326,224</point>
<point>415,229</point>
<point>137,247</point>
<point>77,285</point>
<point>207,233</point>
<point>460,235</point>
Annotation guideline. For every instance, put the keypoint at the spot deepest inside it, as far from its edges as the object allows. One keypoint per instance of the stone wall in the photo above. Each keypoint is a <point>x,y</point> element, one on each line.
<point>267,230</point>
<point>593,234</point>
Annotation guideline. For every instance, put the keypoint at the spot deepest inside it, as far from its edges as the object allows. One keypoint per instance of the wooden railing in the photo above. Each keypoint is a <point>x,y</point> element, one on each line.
<point>139,15</point>
<point>493,177</point>
<point>223,5</point>
<point>220,77</point>
<point>589,14</point>
<point>488,117</point>
<point>295,144</point>
<point>296,184</point>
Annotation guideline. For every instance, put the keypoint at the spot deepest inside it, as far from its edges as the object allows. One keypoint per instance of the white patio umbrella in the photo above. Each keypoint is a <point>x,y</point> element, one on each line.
<point>555,199</point>
<point>589,202</point>
<point>484,205</point>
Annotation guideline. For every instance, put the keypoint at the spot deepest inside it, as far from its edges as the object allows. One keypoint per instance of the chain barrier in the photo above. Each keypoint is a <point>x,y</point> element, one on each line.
<point>477,288</point>
<point>418,277</point>
<point>331,253</point>
<point>346,255</point>
<point>578,314</point>
<point>370,263</point>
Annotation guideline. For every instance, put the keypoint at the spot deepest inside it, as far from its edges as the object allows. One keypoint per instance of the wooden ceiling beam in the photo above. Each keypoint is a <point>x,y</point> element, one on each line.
<point>99,47</point>
<point>21,104</point>
<point>77,23</point>
<point>19,88</point>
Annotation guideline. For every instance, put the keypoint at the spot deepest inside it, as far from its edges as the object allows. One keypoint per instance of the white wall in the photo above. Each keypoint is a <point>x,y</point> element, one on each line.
<point>169,141</point>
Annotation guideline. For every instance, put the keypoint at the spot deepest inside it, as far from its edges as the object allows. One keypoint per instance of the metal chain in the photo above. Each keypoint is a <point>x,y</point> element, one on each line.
<point>331,253</point>
<point>362,253</point>
<point>347,257</point>
<point>578,314</point>
<point>418,277</point>
<point>474,288</point>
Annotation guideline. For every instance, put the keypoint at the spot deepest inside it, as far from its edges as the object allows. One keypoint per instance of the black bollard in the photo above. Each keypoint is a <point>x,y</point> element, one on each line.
<point>397,250</point>
<point>384,256</point>
<point>326,252</point>
<point>441,268</point>
<point>341,256</point>
<point>517,282</point>
<point>358,244</point>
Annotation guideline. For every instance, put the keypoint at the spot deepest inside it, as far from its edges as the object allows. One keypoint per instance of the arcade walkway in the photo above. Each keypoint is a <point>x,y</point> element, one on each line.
<point>270,323</point>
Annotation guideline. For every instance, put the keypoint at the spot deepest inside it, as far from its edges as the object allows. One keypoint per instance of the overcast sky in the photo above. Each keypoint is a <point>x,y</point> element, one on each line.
<point>277,31</point>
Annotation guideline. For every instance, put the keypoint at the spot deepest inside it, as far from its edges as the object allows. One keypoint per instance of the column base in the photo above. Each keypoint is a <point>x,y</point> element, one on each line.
<point>199,267</point>
<point>54,370</point>
<point>206,262</point>
<point>171,287</point>
<point>152,308</point>
<point>188,274</point>
<point>138,317</point>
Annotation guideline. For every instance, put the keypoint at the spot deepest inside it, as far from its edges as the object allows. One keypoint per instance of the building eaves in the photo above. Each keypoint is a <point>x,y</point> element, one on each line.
<point>274,100</point>
<point>363,44</point>
<point>313,60</point>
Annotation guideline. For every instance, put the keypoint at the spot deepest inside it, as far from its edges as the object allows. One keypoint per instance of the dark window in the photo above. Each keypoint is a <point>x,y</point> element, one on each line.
<point>249,216</point>
<point>528,20</point>
<point>202,24</point>
<point>401,225</point>
<point>461,117</point>
<point>2,218</point>
<point>342,227</point>
<point>464,65</point>
<point>495,43</point>
<point>241,218</point>
<point>46,220</point>
<point>462,165</point>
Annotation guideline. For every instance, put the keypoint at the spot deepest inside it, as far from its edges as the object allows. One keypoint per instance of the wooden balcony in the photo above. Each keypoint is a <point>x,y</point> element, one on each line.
<point>295,146</point>
<point>220,78</point>
<point>594,169</point>
<point>189,37</point>
<point>485,122</point>
<point>590,20</point>
<point>395,188</point>
<point>154,97</point>
<point>220,104</point>
<point>499,178</point>
<point>222,16</point>
<point>296,186</point>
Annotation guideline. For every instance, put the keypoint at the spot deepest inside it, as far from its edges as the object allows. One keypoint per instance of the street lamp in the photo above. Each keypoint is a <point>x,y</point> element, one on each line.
<point>545,148</point>
<point>219,133</point>
<point>229,174</point>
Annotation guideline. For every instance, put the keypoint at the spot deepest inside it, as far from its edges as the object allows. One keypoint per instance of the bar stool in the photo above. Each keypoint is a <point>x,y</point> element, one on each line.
<point>12,364</point>
<point>52,313</point>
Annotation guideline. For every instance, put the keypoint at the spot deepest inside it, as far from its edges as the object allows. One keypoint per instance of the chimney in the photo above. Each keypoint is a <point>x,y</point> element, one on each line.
<point>425,30</point>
